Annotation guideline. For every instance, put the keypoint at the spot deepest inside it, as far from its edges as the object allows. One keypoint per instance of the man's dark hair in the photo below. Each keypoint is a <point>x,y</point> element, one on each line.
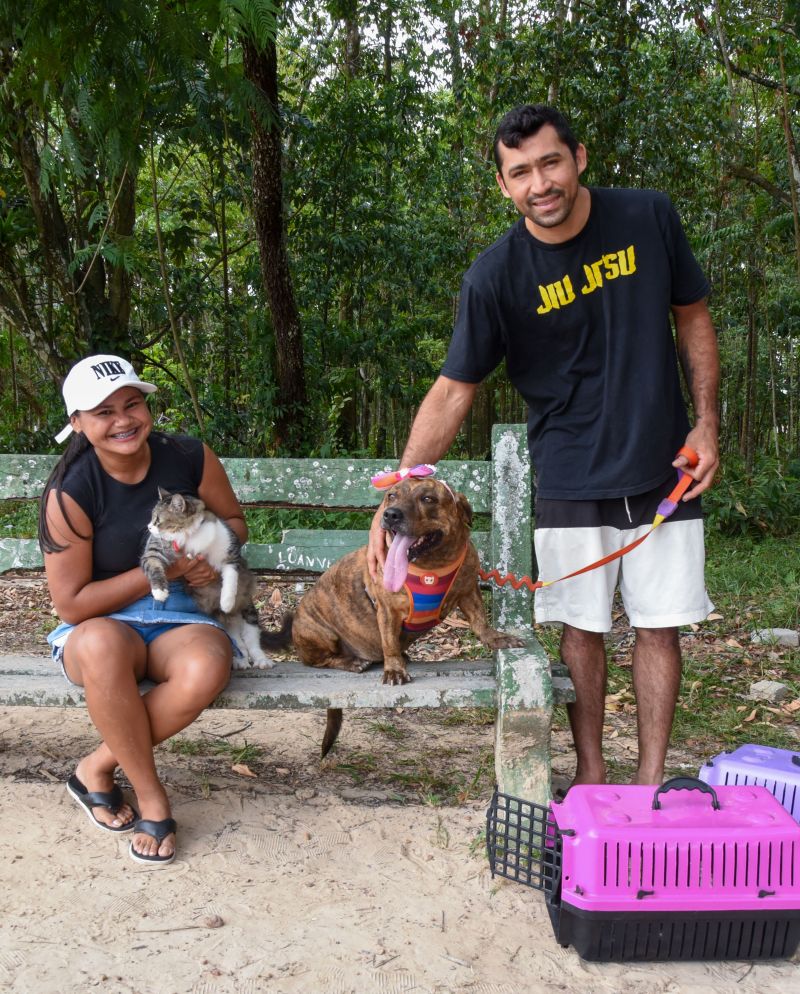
<point>522,122</point>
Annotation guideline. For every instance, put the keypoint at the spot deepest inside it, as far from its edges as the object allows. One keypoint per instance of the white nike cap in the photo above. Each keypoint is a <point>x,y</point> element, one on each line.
<point>93,379</point>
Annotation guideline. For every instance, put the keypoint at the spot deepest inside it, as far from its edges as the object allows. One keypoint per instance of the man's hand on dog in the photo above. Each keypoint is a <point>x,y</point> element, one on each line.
<point>376,546</point>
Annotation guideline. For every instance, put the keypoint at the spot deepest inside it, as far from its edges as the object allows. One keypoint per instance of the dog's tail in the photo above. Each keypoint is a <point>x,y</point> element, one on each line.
<point>271,641</point>
<point>333,724</point>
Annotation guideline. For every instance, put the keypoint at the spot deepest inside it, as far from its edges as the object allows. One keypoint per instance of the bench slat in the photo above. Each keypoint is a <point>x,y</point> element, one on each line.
<point>301,551</point>
<point>37,681</point>
<point>19,553</point>
<point>333,483</point>
<point>24,477</point>
<point>316,551</point>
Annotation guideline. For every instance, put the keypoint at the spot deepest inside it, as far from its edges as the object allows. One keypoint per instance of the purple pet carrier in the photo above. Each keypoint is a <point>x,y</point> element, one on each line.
<point>649,873</point>
<point>776,769</point>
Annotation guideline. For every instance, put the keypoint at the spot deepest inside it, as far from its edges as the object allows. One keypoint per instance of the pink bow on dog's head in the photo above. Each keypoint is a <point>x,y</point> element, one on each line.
<point>388,479</point>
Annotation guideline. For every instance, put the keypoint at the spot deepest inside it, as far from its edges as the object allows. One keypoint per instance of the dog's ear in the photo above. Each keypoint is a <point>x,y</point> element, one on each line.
<point>464,509</point>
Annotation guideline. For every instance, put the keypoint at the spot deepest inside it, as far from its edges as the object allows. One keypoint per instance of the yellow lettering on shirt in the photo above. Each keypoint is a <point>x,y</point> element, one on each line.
<point>555,295</point>
<point>594,278</point>
<point>627,261</point>
<point>609,267</point>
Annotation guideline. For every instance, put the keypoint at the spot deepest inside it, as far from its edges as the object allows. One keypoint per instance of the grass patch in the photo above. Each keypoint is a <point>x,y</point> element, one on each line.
<point>478,717</point>
<point>430,778</point>
<point>755,583</point>
<point>235,753</point>
<point>267,524</point>
<point>388,729</point>
<point>19,518</point>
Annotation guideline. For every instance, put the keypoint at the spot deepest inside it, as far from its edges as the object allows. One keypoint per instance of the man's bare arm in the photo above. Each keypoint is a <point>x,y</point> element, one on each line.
<point>437,421</point>
<point>435,426</point>
<point>699,358</point>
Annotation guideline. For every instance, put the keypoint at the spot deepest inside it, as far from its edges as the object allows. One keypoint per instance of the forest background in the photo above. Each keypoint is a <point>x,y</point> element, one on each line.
<point>269,205</point>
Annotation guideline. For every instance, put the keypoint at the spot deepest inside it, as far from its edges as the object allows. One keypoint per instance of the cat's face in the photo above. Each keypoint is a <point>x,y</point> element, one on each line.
<point>175,514</point>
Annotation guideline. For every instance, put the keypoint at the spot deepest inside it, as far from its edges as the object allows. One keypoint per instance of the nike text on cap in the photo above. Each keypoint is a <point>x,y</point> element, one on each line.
<point>93,379</point>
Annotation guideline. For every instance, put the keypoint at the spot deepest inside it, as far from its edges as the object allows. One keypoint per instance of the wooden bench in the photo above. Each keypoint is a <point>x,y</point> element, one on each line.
<point>518,682</point>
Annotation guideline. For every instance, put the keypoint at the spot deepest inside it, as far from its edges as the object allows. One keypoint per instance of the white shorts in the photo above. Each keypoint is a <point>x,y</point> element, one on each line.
<point>661,581</point>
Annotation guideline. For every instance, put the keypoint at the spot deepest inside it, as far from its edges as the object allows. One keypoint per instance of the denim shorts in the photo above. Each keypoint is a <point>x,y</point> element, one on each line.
<point>148,617</point>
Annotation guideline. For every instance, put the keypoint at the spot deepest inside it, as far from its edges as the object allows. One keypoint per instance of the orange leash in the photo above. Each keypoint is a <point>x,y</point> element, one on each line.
<point>665,509</point>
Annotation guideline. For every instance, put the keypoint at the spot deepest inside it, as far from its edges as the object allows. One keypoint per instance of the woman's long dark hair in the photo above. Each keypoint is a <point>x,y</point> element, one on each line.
<point>78,444</point>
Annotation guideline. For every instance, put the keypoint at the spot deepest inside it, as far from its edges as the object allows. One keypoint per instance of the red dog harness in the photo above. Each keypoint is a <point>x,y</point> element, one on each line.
<point>426,590</point>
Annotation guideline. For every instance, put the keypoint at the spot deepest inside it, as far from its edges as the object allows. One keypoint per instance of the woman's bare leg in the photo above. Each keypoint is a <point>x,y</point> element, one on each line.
<point>108,658</point>
<point>111,649</point>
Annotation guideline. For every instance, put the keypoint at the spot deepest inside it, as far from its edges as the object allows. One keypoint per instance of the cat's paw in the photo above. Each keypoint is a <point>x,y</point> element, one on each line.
<point>226,602</point>
<point>241,662</point>
<point>160,595</point>
<point>262,662</point>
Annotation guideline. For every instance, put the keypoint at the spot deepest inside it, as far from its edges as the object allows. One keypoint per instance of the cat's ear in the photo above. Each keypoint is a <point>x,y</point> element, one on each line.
<point>178,503</point>
<point>163,494</point>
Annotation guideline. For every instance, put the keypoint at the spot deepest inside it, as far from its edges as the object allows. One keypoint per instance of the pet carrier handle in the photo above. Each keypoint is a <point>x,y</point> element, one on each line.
<point>685,783</point>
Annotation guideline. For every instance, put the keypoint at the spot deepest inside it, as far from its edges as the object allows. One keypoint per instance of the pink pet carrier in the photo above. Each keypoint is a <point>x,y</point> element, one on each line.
<point>776,769</point>
<point>649,873</point>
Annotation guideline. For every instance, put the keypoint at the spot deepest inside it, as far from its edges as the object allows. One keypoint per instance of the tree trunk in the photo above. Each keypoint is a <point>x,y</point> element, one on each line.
<point>261,69</point>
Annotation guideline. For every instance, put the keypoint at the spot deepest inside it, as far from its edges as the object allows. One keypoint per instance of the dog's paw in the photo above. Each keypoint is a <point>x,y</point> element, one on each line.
<point>395,678</point>
<point>499,640</point>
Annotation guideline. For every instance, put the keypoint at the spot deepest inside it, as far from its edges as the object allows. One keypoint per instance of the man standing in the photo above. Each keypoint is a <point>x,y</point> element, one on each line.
<point>577,297</point>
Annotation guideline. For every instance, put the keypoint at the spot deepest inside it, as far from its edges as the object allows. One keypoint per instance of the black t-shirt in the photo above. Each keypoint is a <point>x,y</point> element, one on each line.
<point>584,328</point>
<point>119,512</point>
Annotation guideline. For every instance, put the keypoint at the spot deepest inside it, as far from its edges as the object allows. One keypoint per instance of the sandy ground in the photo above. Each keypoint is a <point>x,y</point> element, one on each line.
<point>293,880</point>
<point>363,874</point>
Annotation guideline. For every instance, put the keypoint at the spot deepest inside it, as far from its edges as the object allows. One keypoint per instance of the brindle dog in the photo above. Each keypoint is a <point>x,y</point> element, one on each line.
<point>348,621</point>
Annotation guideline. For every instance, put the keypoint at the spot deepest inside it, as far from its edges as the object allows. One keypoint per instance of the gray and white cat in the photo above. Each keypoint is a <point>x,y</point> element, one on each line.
<point>182,525</point>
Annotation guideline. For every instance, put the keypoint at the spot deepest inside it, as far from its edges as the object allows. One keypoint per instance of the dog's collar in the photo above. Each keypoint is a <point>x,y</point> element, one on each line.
<point>426,590</point>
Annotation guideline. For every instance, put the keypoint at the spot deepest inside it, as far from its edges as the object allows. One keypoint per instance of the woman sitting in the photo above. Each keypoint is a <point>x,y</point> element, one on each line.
<point>94,514</point>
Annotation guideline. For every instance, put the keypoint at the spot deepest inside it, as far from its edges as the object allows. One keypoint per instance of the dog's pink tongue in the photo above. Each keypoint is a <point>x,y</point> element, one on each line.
<point>395,568</point>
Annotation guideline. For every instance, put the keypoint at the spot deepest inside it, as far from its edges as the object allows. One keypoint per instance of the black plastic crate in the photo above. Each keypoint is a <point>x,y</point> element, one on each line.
<point>682,935</point>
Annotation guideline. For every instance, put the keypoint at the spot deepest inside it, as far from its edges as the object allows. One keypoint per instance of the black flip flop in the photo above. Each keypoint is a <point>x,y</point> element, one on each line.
<point>112,800</point>
<point>158,830</point>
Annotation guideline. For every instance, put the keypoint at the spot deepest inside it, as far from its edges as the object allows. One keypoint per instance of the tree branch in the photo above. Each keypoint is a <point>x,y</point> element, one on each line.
<point>751,176</point>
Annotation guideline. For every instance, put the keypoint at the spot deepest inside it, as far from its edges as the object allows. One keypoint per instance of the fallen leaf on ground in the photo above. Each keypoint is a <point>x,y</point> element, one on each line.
<point>243,770</point>
<point>752,715</point>
<point>276,597</point>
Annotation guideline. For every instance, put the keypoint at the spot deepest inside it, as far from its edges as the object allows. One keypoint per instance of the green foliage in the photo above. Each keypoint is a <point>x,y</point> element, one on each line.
<point>387,117</point>
<point>267,524</point>
<point>757,502</point>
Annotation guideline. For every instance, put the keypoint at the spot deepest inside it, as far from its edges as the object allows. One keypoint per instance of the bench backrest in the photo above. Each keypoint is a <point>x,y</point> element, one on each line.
<point>500,487</point>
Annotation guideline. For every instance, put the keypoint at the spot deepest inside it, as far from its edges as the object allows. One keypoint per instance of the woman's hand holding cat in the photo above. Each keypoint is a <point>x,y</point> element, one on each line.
<point>194,570</point>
